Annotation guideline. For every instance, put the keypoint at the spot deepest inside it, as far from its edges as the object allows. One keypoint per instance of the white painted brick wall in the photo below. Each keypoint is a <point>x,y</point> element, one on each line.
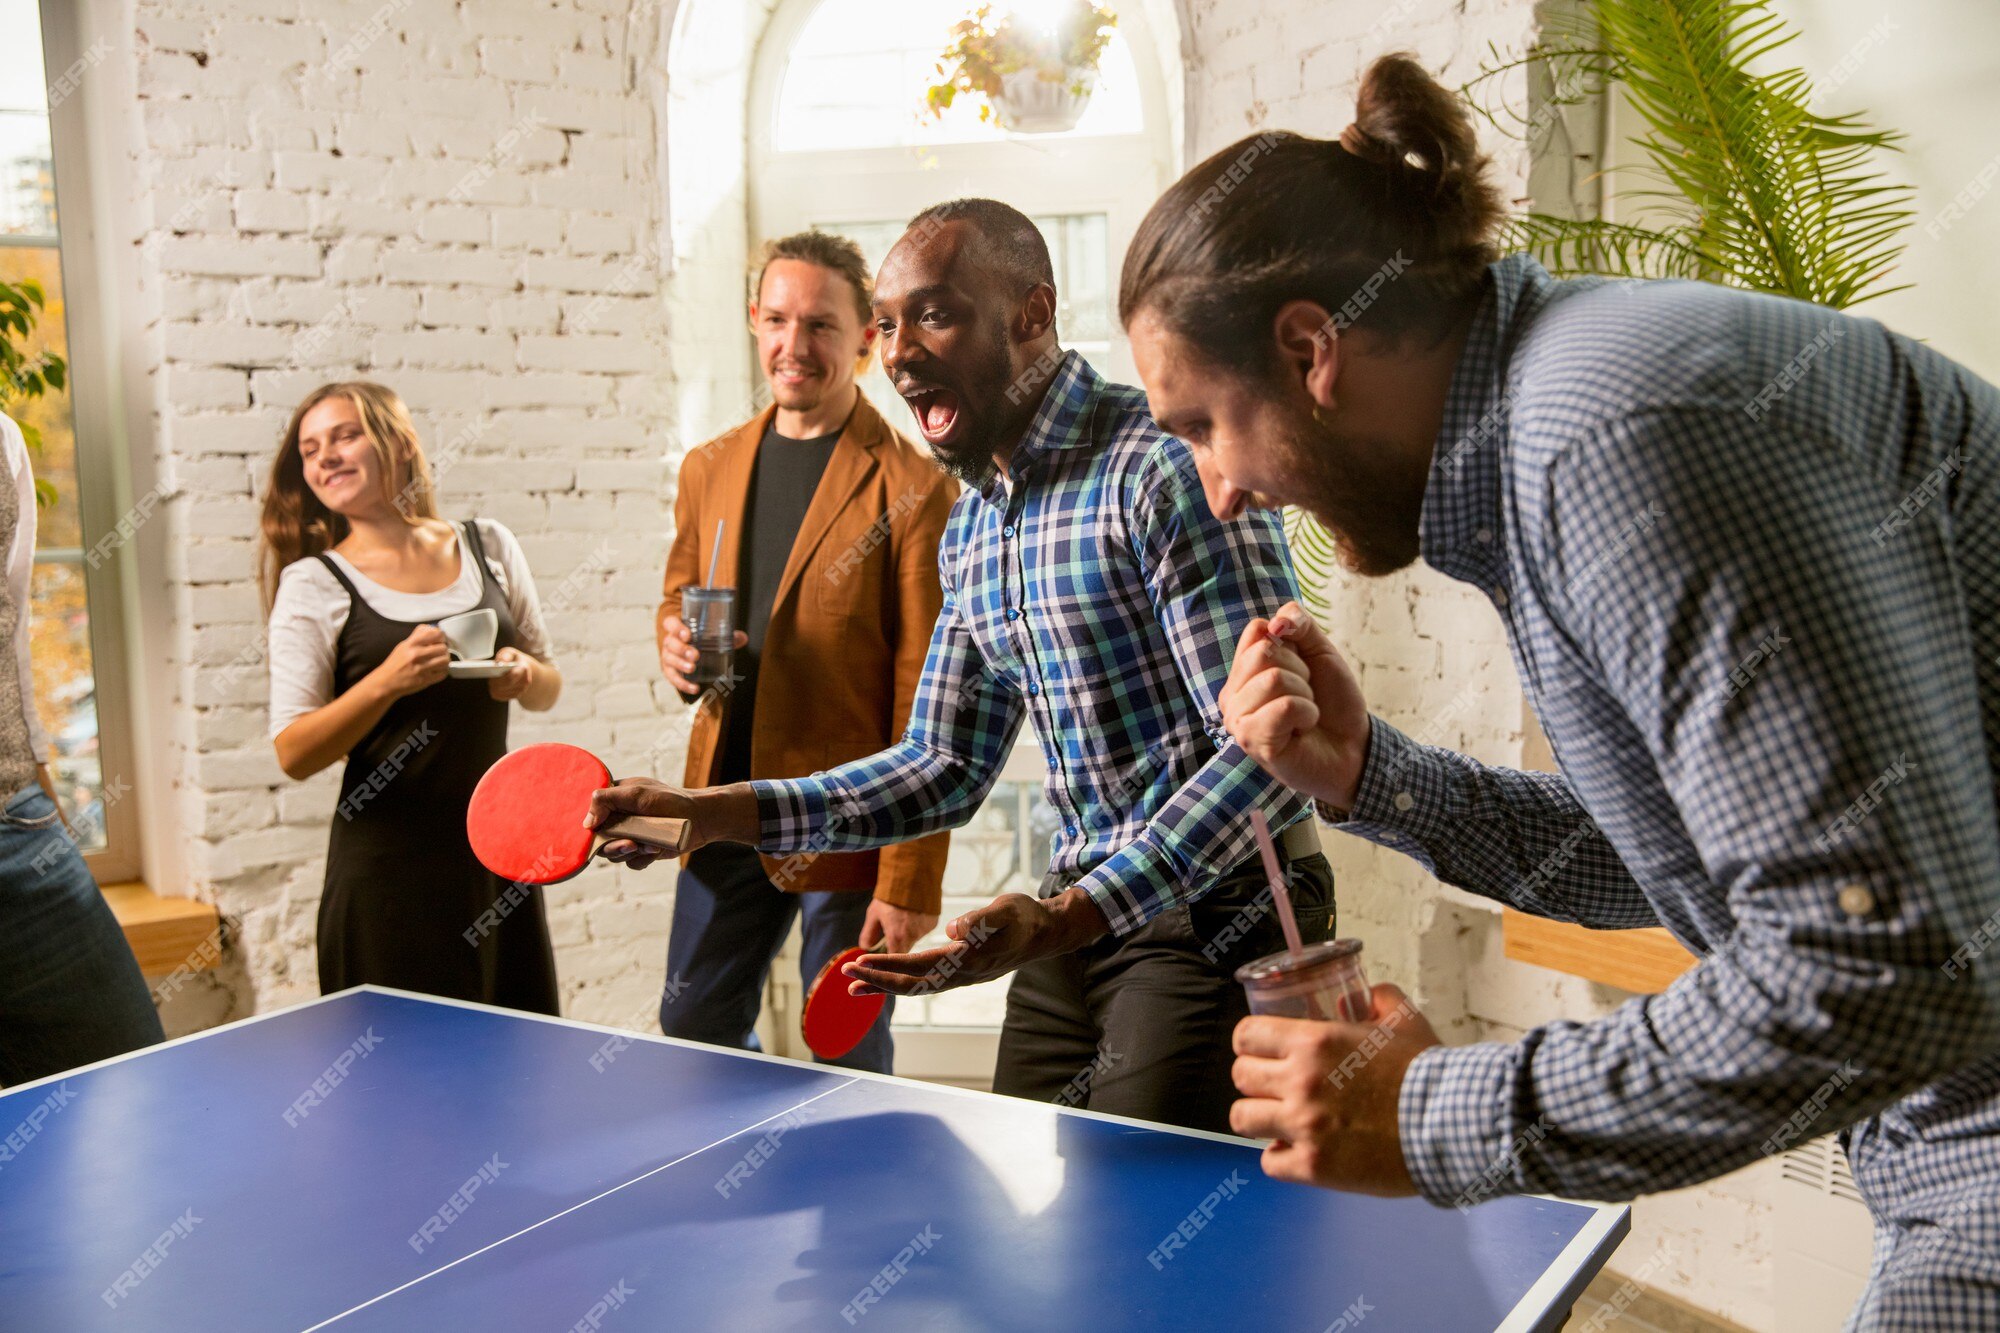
<point>452,208</point>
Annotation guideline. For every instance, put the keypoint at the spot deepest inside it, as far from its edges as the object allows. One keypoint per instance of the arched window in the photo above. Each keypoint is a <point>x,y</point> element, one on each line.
<point>840,139</point>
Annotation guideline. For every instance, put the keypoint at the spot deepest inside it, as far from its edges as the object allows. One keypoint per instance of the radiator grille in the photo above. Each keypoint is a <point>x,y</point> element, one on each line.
<point>1822,1166</point>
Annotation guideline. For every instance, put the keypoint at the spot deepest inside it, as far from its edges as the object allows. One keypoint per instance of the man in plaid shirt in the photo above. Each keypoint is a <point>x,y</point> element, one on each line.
<point>1747,551</point>
<point>1089,589</point>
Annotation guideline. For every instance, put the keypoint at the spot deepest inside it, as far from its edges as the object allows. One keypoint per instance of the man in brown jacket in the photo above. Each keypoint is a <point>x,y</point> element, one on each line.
<point>830,529</point>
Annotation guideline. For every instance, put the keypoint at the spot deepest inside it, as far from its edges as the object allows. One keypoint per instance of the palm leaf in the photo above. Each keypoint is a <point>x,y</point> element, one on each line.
<point>1570,60</point>
<point>1763,192</point>
<point>1785,199</point>
<point>1570,247</point>
<point>1314,558</point>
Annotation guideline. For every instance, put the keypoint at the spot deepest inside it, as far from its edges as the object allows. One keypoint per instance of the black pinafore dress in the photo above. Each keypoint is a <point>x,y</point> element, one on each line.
<point>406,903</point>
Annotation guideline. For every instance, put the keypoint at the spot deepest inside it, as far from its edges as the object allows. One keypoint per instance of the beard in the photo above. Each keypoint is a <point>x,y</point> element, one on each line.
<point>969,458</point>
<point>799,397</point>
<point>1370,509</point>
<point>977,391</point>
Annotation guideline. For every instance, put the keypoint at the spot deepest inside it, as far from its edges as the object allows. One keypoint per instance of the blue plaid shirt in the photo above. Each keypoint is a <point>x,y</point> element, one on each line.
<point>1101,599</point>
<point>1748,553</point>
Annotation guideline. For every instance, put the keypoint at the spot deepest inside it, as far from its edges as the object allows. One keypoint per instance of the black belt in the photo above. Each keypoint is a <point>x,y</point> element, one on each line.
<point>1300,840</point>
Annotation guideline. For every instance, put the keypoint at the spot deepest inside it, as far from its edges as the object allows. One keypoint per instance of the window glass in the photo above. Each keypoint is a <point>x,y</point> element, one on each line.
<point>64,680</point>
<point>27,178</point>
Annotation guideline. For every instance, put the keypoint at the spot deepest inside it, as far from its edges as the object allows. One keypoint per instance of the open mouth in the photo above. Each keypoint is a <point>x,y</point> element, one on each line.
<point>936,411</point>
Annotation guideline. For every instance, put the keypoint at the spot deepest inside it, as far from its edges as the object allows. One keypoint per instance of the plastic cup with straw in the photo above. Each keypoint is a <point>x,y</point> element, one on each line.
<point>710,613</point>
<point>1322,980</point>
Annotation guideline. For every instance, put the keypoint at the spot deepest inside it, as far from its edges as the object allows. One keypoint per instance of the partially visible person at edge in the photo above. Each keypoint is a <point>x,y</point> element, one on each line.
<point>70,990</point>
<point>357,569</point>
<point>1088,587</point>
<point>830,525</point>
<point>1754,596</point>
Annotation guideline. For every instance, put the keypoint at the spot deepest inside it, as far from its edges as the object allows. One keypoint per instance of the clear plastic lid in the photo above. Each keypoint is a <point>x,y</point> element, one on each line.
<point>1312,958</point>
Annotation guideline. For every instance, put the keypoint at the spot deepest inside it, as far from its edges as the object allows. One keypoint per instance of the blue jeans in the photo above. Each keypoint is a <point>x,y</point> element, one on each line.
<point>70,990</point>
<point>729,923</point>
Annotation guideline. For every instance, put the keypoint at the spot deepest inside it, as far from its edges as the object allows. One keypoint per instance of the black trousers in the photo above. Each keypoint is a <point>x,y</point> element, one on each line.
<point>1140,1025</point>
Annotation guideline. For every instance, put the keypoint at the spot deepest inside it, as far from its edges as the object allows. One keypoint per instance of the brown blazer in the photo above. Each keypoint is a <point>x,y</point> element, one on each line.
<point>849,630</point>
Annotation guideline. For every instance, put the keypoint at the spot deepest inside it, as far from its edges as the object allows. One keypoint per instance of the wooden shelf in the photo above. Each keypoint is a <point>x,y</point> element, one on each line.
<point>165,933</point>
<point>1643,961</point>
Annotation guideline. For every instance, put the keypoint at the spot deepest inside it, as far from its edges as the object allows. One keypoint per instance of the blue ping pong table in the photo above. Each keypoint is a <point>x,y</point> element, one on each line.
<point>380,1160</point>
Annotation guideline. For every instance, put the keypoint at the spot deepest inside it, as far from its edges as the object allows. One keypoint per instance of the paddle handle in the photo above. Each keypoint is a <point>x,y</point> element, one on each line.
<point>666,834</point>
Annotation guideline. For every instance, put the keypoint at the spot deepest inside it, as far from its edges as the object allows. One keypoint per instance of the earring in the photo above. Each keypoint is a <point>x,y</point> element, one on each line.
<point>1320,421</point>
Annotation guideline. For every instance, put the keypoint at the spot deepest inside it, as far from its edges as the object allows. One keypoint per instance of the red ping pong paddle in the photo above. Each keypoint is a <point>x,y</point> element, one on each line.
<point>834,1022</point>
<point>525,820</point>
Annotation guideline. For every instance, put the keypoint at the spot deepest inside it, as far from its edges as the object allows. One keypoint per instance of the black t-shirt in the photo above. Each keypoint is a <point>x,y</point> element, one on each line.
<point>782,483</point>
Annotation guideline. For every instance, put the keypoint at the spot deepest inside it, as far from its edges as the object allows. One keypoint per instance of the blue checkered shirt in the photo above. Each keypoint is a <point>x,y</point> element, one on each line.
<point>1099,597</point>
<point>1748,555</point>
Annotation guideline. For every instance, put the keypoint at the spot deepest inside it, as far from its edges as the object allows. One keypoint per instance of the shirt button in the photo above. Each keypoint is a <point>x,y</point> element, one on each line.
<point>1007,531</point>
<point>1483,535</point>
<point>1856,900</point>
<point>1012,614</point>
<point>1052,763</point>
<point>1069,830</point>
<point>1500,597</point>
<point>1404,800</point>
<point>1034,687</point>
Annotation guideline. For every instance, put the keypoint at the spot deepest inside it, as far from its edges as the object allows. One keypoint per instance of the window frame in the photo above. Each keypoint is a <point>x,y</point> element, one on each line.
<point>102,478</point>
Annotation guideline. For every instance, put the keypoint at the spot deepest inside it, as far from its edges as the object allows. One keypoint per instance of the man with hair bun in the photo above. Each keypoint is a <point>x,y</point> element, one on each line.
<point>1747,552</point>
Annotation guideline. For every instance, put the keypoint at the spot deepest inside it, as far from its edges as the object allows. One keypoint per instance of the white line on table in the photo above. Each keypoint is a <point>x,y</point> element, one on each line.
<point>425,1277</point>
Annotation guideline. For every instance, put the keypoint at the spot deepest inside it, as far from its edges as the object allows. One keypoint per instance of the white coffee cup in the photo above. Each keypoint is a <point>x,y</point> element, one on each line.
<point>471,633</point>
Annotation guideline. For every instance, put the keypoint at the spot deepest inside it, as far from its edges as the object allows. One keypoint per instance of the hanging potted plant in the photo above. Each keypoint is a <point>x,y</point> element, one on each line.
<point>1035,77</point>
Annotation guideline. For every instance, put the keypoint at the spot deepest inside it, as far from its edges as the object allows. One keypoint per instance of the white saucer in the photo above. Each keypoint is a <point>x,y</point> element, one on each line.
<point>486,670</point>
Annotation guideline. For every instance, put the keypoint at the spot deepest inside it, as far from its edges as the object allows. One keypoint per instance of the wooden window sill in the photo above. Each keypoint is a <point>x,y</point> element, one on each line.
<point>1643,961</point>
<point>165,933</point>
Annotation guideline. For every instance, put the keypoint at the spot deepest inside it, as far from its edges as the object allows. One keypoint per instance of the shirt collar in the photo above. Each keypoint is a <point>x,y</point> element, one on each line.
<point>1459,528</point>
<point>1061,422</point>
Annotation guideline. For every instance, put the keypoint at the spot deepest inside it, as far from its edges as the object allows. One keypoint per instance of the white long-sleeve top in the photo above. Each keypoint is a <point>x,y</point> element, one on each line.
<point>311,609</point>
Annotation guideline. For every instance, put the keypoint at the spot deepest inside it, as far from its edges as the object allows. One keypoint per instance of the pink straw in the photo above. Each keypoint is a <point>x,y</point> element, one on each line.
<point>1262,827</point>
